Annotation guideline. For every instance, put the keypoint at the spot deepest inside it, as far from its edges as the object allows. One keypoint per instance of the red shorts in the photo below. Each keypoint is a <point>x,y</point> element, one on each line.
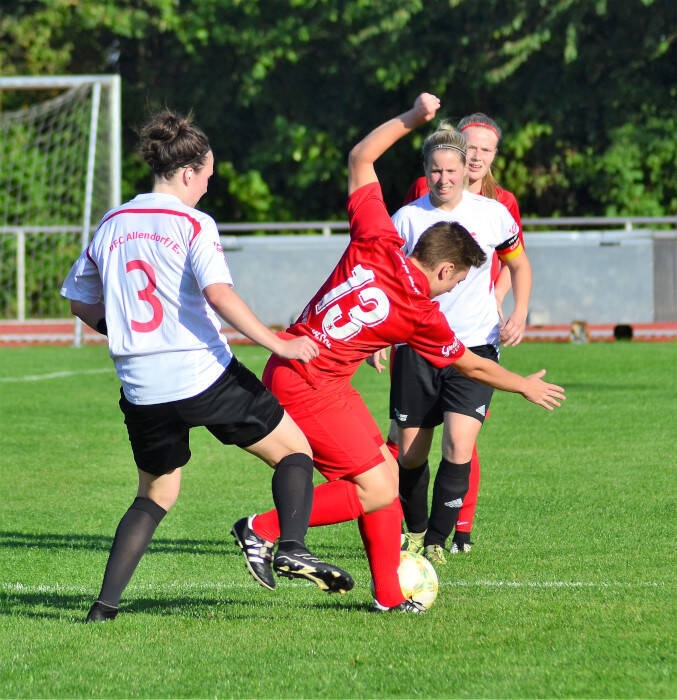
<point>345,438</point>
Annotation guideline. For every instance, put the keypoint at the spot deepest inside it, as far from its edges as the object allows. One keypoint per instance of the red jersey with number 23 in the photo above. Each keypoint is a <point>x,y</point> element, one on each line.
<point>374,298</point>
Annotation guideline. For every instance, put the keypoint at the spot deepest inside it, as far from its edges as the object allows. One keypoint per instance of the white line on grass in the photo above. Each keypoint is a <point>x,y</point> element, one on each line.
<point>553,584</point>
<point>19,587</point>
<point>54,375</point>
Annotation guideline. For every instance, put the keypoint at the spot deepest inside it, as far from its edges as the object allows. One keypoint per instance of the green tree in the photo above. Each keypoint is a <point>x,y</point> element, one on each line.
<point>584,90</point>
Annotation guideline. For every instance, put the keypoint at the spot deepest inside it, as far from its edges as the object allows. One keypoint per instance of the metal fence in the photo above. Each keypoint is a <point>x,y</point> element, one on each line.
<point>603,270</point>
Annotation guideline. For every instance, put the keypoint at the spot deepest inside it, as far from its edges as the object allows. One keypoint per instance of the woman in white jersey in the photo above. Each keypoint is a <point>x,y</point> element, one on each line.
<point>482,135</point>
<point>155,281</point>
<point>423,397</point>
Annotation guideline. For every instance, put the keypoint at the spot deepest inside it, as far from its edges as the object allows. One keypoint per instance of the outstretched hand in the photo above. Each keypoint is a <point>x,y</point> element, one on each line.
<point>543,393</point>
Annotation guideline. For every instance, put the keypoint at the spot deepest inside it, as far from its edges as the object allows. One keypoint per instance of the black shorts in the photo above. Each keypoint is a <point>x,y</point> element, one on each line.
<point>237,410</point>
<point>421,393</point>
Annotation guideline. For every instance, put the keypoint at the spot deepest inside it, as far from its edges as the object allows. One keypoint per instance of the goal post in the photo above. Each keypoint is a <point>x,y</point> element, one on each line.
<point>60,145</point>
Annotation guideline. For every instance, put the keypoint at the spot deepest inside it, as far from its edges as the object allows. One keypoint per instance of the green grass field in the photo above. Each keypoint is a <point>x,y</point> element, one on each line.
<point>569,590</point>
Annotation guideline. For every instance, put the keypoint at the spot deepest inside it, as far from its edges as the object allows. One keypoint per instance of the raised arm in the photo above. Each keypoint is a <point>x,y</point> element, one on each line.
<point>364,154</point>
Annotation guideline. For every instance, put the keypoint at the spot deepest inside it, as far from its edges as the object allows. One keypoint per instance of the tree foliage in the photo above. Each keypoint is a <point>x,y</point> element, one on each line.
<point>583,89</point>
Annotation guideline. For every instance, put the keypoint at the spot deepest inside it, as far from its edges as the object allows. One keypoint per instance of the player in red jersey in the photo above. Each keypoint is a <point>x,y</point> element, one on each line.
<point>482,136</point>
<point>374,297</point>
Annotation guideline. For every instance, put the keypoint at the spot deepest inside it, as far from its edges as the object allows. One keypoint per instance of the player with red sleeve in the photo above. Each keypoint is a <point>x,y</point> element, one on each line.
<point>375,297</point>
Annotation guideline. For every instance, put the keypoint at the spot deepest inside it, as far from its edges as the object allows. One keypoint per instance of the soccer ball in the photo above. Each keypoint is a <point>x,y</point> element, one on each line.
<point>418,579</point>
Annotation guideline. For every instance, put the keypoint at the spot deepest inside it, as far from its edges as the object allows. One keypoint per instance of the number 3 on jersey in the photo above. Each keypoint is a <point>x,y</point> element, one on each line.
<point>343,324</point>
<point>146,294</point>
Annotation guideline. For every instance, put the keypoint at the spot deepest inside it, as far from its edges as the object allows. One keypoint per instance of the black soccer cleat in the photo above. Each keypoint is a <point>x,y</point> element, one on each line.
<point>302,564</point>
<point>101,612</point>
<point>407,606</point>
<point>258,553</point>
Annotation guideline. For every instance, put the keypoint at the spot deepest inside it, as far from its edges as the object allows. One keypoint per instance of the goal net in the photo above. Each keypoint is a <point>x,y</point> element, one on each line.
<point>60,151</point>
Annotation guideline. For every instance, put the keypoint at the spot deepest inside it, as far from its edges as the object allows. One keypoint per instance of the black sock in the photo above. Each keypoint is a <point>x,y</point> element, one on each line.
<point>293,497</point>
<point>449,490</point>
<point>132,537</point>
<point>462,538</point>
<point>414,496</point>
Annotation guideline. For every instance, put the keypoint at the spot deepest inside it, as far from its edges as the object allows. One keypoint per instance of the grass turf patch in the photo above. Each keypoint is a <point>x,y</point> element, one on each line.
<point>569,590</point>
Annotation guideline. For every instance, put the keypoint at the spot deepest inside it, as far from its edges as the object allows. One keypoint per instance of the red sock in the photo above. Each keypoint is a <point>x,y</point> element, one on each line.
<point>267,525</point>
<point>380,532</point>
<point>466,514</point>
<point>394,449</point>
<point>333,502</point>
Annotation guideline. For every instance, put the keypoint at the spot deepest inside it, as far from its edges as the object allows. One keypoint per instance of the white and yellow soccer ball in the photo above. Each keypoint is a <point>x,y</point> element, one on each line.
<point>418,579</point>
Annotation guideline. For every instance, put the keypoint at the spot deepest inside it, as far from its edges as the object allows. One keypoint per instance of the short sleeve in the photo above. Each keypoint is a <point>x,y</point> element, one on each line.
<point>435,340</point>
<point>83,282</point>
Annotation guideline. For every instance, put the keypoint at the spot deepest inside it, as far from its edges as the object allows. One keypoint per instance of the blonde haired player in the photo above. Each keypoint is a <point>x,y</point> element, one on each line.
<point>422,397</point>
<point>483,136</point>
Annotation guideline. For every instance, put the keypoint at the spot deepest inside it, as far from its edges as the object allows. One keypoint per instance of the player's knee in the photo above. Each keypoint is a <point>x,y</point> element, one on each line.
<point>377,488</point>
<point>457,453</point>
<point>390,494</point>
<point>412,458</point>
<point>380,500</point>
<point>375,499</point>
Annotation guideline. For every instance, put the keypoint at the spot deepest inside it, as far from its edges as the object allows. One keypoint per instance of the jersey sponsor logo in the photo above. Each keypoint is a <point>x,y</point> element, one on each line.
<point>449,350</point>
<point>407,273</point>
<point>164,241</point>
<point>456,503</point>
<point>321,338</point>
<point>482,410</point>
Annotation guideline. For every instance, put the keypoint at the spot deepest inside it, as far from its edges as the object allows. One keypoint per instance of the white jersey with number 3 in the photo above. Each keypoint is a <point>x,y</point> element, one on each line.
<point>149,261</point>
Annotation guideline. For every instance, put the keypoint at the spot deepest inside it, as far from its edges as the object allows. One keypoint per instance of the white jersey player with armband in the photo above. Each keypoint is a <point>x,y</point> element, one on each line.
<point>471,305</point>
<point>423,396</point>
<point>155,281</point>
